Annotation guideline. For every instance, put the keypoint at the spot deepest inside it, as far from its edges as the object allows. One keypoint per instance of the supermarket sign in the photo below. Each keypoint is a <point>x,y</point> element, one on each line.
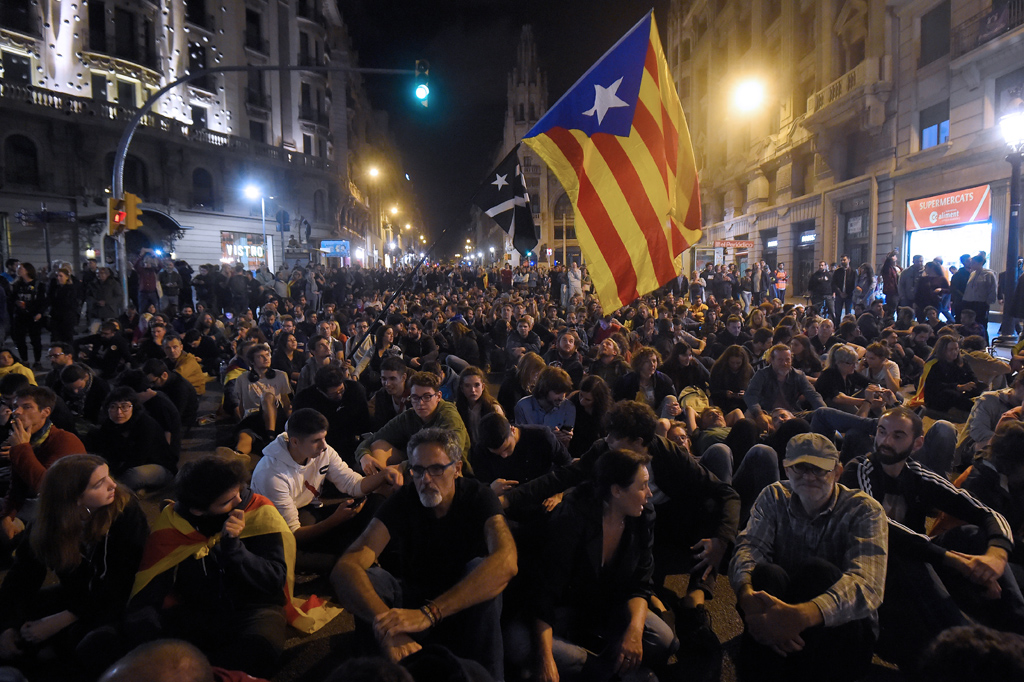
<point>971,205</point>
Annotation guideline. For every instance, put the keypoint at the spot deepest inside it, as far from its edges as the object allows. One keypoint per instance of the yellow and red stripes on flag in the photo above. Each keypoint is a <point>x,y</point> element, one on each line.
<point>636,198</point>
<point>173,539</point>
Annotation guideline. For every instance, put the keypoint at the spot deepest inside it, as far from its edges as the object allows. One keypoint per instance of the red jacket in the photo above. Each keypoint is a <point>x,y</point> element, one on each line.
<point>28,465</point>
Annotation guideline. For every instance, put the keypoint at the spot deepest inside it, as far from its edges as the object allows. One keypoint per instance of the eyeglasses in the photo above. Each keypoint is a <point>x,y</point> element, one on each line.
<point>809,470</point>
<point>120,407</point>
<point>55,355</point>
<point>435,470</point>
<point>426,397</point>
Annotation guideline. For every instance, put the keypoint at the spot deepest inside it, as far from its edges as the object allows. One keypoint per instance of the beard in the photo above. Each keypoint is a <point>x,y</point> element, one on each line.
<point>430,498</point>
<point>887,455</point>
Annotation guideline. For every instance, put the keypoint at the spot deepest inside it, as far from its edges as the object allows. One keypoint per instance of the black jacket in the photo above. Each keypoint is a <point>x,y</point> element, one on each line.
<point>627,387</point>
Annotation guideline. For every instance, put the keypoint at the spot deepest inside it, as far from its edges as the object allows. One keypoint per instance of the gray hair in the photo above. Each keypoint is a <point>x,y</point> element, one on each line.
<point>444,438</point>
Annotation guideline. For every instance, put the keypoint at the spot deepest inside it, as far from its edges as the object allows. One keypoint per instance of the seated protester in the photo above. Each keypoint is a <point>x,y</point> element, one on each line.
<point>90,531</point>
<point>205,348</point>
<point>824,340</point>
<point>547,406</point>
<point>61,417</point>
<point>645,383</point>
<point>988,409</point>
<point>320,356</point>
<point>175,387</point>
<point>133,443</point>
<point>287,356</point>
<point>609,364</point>
<point>107,351</point>
<point>697,513</point>
<point>809,572</point>
<point>931,583</point>
<point>392,398</point>
<point>11,365</point>
<point>732,336</point>
<point>878,369</point>
<point>157,405</point>
<point>289,326</point>
<point>521,340</point>
<point>969,325</point>
<point>473,400</point>
<point>592,402</point>
<point>804,357</point>
<point>229,599</point>
<point>504,456</point>
<point>167,660</point>
<point>779,385</point>
<point>449,380</point>
<point>457,556</point>
<point>35,444</point>
<point>292,474</point>
<point>185,364</point>
<point>417,347</point>
<point>988,369</point>
<point>684,370</point>
<point>839,385</point>
<point>931,318</point>
<point>948,385</point>
<point>151,347</point>
<point>910,367</point>
<point>592,616</point>
<point>343,403</point>
<point>564,354</point>
<point>920,342</point>
<point>60,355</point>
<point>756,347</point>
<point>849,333</point>
<point>264,397</point>
<point>730,376</point>
<point>83,392</point>
<point>388,444</point>
<point>520,381</point>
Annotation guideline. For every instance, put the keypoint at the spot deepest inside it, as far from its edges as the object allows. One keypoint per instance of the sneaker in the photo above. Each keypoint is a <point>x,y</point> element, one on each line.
<point>228,452</point>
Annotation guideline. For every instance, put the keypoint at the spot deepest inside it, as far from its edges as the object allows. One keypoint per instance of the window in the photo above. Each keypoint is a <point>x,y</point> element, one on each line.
<point>772,11</point>
<point>258,131</point>
<point>805,32</point>
<point>99,87</point>
<point>21,161</point>
<point>684,88</point>
<point>126,39</point>
<point>253,32</point>
<point>307,144</point>
<point>934,34</point>
<point>935,125</point>
<point>319,211</point>
<point>97,26</point>
<point>199,118</point>
<point>18,15</point>
<point>202,188</point>
<point>197,62</point>
<point>743,35</point>
<point>126,94</point>
<point>195,12</point>
<point>17,68</point>
<point>135,177</point>
<point>684,53</point>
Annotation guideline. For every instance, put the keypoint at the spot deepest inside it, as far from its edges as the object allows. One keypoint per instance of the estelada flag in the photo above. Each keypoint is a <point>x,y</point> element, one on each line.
<point>618,143</point>
<point>172,540</point>
<point>503,197</point>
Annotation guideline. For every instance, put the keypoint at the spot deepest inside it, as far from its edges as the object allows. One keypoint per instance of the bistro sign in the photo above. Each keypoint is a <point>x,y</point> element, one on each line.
<point>971,205</point>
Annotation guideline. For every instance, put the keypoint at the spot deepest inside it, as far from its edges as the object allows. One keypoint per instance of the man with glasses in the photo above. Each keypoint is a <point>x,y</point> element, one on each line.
<point>459,557</point>
<point>809,572</point>
<point>60,356</point>
<point>388,444</point>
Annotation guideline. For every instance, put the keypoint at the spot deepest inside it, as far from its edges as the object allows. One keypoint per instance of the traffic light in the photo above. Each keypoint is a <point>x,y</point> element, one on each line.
<point>115,216</point>
<point>422,88</point>
<point>133,213</point>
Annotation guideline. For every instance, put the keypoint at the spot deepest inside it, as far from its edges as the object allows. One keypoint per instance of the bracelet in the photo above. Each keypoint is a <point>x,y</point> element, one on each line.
<point>430,617</point>
<point>435,612</point>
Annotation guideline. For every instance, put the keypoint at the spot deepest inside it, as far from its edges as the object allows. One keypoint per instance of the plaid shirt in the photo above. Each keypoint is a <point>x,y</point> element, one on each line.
<point>851,533</point>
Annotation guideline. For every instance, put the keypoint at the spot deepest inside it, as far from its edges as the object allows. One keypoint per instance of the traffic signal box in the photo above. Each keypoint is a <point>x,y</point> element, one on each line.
<point>422,86</point>
<point>124,214</point>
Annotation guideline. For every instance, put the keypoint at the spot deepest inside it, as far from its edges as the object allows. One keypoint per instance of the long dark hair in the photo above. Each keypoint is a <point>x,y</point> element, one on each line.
<point>62,526</point>
<point>487,401</point>
<point>721,365</point>
<point>616,467</point>
<point>598,389</point>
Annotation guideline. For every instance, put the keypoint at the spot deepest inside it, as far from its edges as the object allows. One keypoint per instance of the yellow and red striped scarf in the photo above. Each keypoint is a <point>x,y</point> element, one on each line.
<point>173,540</point>
<point>918,399</point>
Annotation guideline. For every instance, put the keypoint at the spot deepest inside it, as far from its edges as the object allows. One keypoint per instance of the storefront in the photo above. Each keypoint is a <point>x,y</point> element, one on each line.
<point>950,225</point>
<point>245,248</point>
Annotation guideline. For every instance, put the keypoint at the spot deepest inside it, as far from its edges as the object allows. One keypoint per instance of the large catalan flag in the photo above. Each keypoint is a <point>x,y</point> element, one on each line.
<point>618,142</point>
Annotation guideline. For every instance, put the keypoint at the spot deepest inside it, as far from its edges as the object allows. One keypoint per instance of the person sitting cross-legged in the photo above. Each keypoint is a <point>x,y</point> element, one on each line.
<point>809,572</point>
<point>292,475</point>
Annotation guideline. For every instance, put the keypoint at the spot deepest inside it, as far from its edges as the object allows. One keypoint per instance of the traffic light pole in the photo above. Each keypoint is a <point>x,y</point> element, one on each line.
<point>117,182</point>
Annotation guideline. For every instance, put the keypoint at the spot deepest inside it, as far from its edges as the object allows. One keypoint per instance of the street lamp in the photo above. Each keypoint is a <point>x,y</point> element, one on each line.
<point>749,95</point>
<point>252,192</point>
<point>1012,126</point>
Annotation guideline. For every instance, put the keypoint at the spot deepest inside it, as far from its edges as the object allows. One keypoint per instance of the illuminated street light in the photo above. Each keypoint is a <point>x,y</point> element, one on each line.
<point>252,192</point>
<point>374,171</point>
<point>408,226</point>
<point>394,210</point>
<point>749,95</point>
<point>391,246</point>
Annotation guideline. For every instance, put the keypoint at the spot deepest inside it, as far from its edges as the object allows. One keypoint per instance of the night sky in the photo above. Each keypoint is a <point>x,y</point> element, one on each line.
<point>449,147</point>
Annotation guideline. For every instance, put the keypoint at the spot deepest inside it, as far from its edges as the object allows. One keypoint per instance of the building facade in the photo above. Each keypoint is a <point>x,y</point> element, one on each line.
<point>73,74</point>
<point>872,113</point>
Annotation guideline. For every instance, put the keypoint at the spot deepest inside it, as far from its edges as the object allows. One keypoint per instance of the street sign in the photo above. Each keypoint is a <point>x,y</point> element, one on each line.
<point>26,217</point>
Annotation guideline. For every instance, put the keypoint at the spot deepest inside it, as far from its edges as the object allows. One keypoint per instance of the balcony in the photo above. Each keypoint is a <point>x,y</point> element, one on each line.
<point>257,44</point>
<point>201,21</point>
<point>310,10</point>
<point>254,98</point>
<point>309,60</point>
<point>34,101</point>
<point>985,27</point>
<point>859,94</point>
<point>307,113</point>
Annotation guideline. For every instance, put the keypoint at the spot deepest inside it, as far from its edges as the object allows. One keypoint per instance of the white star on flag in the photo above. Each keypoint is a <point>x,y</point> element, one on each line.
<point>500,180</point>
<point>605,99</point>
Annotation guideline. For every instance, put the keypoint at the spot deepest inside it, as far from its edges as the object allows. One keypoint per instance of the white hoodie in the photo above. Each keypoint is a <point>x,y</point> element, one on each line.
<point>291,486</point>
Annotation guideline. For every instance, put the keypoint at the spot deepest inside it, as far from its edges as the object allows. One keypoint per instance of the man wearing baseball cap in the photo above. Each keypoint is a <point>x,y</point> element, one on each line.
<point>809,571</point>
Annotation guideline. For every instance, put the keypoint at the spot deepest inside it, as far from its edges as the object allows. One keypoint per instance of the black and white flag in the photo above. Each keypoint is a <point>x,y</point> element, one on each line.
<point>503,197</point>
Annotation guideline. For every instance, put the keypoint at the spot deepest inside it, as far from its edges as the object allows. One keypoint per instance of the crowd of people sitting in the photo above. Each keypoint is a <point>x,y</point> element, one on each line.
<point>859,477</point>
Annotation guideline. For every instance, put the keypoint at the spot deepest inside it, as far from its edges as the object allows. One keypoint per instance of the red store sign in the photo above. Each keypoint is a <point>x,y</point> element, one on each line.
<point>971,205</point>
